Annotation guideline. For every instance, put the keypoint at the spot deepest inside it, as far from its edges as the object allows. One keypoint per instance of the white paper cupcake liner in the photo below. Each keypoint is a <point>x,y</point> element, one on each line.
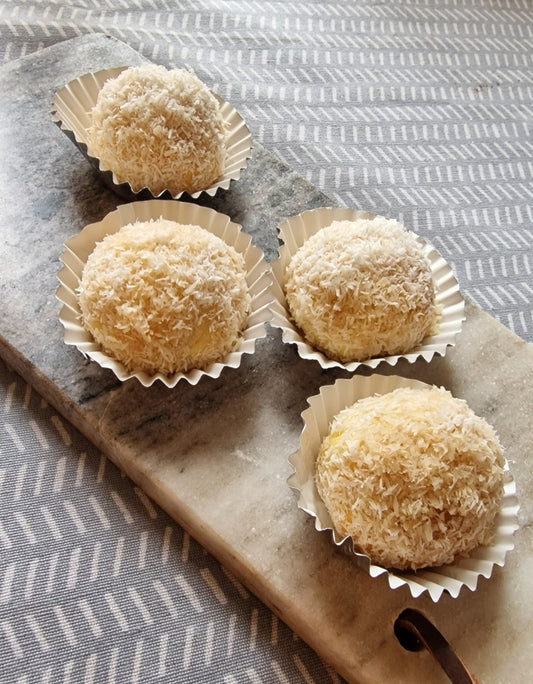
<point>71,108</point>
<point>79,247</point>
<point>451,578</point>
<point>293,233</point>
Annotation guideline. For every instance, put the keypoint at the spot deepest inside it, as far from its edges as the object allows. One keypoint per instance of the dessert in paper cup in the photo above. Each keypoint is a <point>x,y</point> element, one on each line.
<point>331,303</point>
<point>186,139</point>
<point>449,497</point>
<point>163,290</point>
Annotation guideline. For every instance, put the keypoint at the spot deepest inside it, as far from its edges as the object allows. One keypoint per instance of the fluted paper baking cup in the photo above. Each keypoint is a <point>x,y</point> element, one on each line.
<point>71,109</point>
<point>297,229</point>
<point>451,578</point>
<point>79,247</point>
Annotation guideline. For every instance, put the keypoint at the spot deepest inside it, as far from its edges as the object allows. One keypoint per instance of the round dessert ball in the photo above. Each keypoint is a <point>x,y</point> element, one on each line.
<point>413,476</point>
<point>158,128</point>
<point>162,297</point>
<point>359,289</point>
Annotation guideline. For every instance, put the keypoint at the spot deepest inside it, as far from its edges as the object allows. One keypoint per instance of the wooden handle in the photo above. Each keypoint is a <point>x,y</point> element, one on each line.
<point>414,631</point>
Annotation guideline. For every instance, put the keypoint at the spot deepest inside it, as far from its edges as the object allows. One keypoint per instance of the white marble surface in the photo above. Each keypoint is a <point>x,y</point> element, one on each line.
<point>215,455</point>
<point>227,487</point>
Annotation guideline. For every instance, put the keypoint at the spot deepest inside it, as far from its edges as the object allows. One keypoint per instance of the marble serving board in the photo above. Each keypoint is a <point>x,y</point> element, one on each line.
<point>214,456</point>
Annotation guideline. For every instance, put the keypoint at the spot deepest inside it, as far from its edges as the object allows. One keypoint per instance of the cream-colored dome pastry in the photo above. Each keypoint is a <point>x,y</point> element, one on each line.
<point>413,476</point>
<point>163,297</point>
<point>360,289</point>
<point>158,128</point>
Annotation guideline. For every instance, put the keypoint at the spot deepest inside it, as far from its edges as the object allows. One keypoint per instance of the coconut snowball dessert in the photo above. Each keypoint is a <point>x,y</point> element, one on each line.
<point>413,476</point>
<point>163,297</point>
<point>158,128</point>
<point>360,289</point>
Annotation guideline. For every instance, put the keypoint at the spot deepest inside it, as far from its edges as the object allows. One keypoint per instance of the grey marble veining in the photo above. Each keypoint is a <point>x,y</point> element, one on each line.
<point>215,455</point>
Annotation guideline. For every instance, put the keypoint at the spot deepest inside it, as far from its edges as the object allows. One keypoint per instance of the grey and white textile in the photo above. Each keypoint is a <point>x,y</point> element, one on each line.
<point>419,110</point>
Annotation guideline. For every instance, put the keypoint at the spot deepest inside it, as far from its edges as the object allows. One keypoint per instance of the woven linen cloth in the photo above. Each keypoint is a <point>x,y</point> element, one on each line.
<point>419,110</point>
<point>98,584</point>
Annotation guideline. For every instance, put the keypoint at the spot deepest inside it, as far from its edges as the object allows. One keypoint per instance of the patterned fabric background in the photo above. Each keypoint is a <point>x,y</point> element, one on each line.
<point>97,584</point>
<point>418,110</point>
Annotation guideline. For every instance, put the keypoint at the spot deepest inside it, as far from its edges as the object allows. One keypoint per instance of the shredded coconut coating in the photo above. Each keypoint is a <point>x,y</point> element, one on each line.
<point>160,129</point>
<point>164,297</point>
<point>358,289</point>
<point>413,476</point>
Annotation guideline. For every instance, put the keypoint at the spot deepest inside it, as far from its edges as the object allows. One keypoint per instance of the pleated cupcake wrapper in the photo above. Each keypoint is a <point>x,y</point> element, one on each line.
<point>71,108</point>
<point>80,246</point>
<point>296,230</point>
<point>451,578</point>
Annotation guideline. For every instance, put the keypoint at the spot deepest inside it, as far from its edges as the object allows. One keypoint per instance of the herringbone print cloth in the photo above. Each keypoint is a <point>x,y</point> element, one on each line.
<point>419,110</point>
